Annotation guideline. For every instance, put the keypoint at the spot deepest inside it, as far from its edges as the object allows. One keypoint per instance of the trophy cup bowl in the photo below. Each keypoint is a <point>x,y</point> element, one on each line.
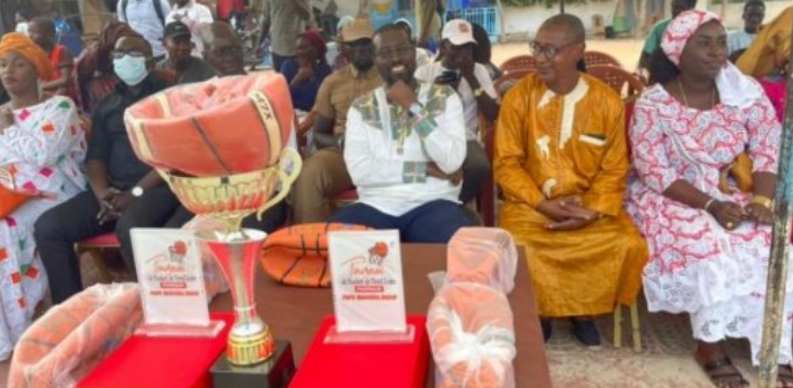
<point>220,147</point>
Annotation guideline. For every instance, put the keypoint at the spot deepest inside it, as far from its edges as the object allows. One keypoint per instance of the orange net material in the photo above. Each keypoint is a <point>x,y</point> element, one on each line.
<point>483,255</point>
<point>220,127</point>
<point>298,255</point>
<point>72,338</point>
<point>473,344</point>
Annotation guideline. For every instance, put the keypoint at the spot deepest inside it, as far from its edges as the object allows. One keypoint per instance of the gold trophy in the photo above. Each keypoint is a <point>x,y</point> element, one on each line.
<point>220,147</point>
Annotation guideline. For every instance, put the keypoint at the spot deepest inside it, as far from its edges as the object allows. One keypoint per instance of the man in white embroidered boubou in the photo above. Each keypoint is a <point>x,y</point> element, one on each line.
<point>404,149</point>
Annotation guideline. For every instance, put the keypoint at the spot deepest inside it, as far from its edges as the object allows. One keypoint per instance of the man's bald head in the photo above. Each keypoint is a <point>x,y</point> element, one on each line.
<point>570,23</point>
<point>210,31</point>
<point>222,48</point>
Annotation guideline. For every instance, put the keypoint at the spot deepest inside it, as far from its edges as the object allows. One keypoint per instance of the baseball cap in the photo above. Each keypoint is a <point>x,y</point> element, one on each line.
<point>357,29</point>
<point>404,21</point>
<point>458,32</point>
<point>176,29</point>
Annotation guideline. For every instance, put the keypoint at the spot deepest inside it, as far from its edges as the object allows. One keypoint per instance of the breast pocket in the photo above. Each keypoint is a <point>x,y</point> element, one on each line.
<point>589,149</point>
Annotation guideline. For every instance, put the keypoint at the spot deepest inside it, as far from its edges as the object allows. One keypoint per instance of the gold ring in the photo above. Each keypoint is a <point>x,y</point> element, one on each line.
<point>730,225</point>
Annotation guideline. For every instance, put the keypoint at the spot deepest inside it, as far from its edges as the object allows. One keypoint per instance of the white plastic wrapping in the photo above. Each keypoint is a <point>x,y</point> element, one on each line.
<point>470,321</point>
<point>472,337</point>
<point>483,255</point>
<point>72,338</point>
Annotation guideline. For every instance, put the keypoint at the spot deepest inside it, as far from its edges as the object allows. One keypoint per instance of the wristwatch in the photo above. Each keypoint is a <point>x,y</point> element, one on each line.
<point>415,109</point>
<point>136,191</point>
<point>478,92</point>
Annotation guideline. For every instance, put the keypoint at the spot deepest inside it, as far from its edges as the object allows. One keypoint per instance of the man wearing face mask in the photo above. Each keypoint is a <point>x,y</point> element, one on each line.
<point>324,174</point>
<point>125,193</point>
<point>404,147</point>
<point>475,88</point>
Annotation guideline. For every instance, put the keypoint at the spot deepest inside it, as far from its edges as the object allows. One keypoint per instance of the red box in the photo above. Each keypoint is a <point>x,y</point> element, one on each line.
<point>359,365</point>
<point>148,362</point>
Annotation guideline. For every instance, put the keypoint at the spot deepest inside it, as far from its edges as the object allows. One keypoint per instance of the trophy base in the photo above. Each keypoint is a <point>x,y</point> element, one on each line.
<point>276,372</point>
<point>250,350</point>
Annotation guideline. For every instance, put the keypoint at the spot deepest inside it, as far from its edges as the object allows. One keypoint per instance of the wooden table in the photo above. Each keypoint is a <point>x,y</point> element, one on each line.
<point>295,313</point>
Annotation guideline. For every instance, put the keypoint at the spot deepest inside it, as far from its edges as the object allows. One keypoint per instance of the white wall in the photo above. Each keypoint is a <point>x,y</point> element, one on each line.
<point>347,7</point>
<point>522,22</point>
<point>734,11</point>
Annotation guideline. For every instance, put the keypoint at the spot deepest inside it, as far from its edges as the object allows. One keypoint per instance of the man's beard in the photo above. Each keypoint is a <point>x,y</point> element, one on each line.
<point>363,65</point>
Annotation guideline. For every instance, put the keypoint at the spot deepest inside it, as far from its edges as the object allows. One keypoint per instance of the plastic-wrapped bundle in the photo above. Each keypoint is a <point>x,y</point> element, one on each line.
<point>472,337</point>
<point>470,320</point>
<point>75,336</point>
<point>483,255</point>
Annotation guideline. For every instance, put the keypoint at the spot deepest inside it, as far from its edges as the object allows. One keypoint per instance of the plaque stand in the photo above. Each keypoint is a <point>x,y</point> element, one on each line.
<point>276,372</point>
<point>191,331</point>
<point>333,336</point>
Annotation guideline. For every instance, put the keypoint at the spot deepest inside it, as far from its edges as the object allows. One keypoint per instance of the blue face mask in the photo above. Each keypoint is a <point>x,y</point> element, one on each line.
<point>131,70</point>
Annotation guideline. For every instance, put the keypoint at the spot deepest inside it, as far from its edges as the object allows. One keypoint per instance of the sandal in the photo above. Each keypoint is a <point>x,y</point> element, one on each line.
<point>785,375</point>
<point>722,379</point>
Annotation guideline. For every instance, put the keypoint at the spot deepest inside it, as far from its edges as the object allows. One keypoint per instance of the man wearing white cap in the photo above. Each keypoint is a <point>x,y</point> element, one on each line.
<point>324,174</point>
<point>472,82</point>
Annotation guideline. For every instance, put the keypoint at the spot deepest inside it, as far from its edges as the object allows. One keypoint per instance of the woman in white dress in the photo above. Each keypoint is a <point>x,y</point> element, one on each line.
<point>42,146</point>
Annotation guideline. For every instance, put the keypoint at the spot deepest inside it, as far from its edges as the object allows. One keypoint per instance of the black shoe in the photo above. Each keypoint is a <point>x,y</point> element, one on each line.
<point>586,332</point>
<point>547,329</point>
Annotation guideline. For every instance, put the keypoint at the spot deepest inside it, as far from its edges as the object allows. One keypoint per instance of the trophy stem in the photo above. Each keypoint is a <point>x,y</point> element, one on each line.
<point>250,341</point>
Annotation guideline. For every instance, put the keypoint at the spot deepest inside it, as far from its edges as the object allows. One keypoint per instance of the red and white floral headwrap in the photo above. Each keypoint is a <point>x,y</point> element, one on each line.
<point>734,87</point>
<point>680,31</point>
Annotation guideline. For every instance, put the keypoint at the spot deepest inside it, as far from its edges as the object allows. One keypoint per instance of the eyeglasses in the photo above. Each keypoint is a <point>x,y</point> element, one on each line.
<point>550,51</point>
<point>359,46</point>
<point>118,54</point>
<point>400,51</point>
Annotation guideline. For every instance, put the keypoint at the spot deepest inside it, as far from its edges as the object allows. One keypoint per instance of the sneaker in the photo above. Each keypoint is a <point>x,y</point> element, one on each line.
<point>586,332</point>
<point>547,329</point>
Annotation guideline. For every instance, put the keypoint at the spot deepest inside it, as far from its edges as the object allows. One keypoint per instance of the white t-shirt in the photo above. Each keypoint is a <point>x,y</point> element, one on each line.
<point>142,17</point>
<point>739,40</point>
<point>428,73</point>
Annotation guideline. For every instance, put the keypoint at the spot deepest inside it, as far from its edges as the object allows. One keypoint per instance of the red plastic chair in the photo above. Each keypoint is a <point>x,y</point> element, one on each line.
<point>519,63</point>
<point>94,247</point>
<point>597,58</point>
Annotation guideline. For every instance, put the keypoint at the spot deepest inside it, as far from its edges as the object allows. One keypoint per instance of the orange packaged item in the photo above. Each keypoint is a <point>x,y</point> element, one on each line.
<point>298,255</point>
<point>483,255</point>
<point>72,338</point>
<point>10,200</point>
<point>473,344</point>
<point>220,127</point>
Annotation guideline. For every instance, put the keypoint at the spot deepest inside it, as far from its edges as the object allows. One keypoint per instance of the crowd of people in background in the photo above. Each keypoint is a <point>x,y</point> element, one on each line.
<point>686,215</point>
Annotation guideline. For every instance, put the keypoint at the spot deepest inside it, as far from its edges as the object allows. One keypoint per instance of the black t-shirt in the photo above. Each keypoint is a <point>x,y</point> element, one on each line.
<point>109,142</point>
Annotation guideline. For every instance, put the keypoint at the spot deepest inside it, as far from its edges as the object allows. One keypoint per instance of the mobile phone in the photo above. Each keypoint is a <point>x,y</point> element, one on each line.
<point>450,75</point>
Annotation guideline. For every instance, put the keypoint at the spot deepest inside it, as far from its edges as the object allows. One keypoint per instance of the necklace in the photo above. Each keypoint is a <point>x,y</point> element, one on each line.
<point>685,97</point>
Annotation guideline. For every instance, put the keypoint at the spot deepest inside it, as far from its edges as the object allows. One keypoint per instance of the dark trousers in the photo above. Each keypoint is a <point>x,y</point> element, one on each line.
<point>433,222</point>
<point>278,61</point>
<point>58,229</point>
<point>476,169</point>
<point>271,220</point>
